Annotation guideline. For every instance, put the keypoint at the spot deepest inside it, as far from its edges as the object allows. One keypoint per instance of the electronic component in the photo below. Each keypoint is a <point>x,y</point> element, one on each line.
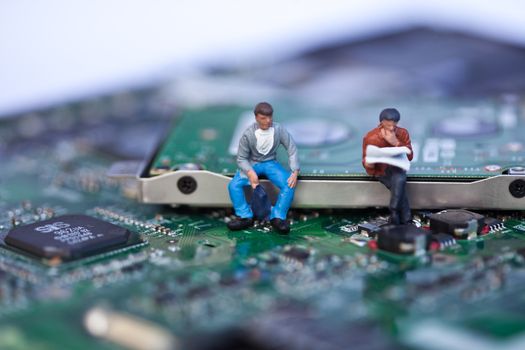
<point>67,237</point>
<point>443,240</point>
<point>494,225</point>
<point>517,170</point>
<point>296,253</point>
<point>460,223</point>
<point>403,239</point>
<point>359,240</point>
<point>372,227</point>
<point>349,228</point>
<point>369,228</point>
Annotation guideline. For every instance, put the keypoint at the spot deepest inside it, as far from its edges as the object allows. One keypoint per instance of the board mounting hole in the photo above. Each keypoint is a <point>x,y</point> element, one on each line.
<point>187,184</point>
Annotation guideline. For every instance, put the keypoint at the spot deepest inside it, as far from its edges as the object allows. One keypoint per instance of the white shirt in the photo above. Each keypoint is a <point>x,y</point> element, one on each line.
<point>264,140</point>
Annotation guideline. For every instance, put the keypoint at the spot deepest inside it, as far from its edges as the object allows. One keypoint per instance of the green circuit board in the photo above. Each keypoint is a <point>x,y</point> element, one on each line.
<point>187,280</point>
<point>451,139</point>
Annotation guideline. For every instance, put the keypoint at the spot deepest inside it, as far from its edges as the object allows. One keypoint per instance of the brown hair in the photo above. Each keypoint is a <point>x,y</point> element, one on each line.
<point>263,108</point>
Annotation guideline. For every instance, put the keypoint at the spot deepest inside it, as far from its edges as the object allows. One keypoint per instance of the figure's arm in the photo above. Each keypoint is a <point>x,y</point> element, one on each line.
<point>243,155</point>
<point>243,161</point>
<point>293,157</point>
<point>368,167</point>
<point>288,143</point>
<point>364,152</point>
<point>404,140</point>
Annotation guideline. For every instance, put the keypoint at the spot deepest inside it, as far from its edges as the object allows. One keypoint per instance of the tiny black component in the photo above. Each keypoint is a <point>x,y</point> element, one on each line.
<point>494,224</point>
<point>369,228</point>
<point>372,227</point>
<point>187,184</point>
<point>67,237</point>
<point>297,253</point>
<point>444,240</point>
<point>517,188</point>
<point>460,223</point>
<point>403,239</point>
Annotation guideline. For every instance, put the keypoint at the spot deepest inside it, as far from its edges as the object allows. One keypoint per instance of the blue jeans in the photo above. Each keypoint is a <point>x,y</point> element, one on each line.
<point>277,175</point>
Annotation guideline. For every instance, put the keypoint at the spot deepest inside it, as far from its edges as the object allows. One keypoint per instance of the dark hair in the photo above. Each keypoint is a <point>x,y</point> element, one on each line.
<point>389,114</point>
<point>263,108</point>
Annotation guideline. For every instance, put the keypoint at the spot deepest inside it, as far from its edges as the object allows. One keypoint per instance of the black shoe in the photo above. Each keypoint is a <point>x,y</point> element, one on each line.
<point>281,226</point>
<point>240,224</point>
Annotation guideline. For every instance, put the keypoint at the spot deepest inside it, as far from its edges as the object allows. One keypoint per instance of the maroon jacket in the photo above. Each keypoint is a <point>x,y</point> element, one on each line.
<point>374,138</point>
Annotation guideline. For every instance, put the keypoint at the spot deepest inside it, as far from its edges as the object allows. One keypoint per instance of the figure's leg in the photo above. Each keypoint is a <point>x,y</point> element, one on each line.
<point>398,199</point>
<point>404,211</point>
<point>387,180</point>
<point>236,190</point>
<point>279,177</point>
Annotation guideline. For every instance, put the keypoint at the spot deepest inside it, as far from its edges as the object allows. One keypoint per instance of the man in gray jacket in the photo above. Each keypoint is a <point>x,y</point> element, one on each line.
<point>257,156</point>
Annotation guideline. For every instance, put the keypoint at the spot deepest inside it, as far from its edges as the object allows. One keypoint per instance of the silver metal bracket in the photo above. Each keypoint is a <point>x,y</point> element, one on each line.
<point>203,188</point>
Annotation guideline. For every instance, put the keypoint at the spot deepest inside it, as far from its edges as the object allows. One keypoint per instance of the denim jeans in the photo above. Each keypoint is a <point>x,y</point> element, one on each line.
<point>395,180</point>
<point>277,175</point>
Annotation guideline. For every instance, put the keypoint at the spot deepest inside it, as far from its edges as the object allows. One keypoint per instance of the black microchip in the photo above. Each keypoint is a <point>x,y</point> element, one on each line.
<point>444,240</point>
<point>494,224</point>
<point>67,237</point>
<point>369,228</point>
<point>403,239</point>
<point>460,223</point>
<point>372,227</point>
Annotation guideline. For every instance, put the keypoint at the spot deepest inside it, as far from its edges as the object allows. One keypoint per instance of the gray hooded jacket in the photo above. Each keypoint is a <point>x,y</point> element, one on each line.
<point>247,154</point>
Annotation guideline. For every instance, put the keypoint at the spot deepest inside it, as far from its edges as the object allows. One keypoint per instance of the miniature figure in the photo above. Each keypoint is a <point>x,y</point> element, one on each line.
<point>385,152</point>
<point>256,156</point>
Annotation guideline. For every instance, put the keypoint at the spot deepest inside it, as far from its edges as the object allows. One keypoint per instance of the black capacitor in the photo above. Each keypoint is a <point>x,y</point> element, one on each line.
<point>403,239</point>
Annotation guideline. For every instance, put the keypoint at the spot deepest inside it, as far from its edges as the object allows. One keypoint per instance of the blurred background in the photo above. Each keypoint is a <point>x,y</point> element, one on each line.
<point>86,83</point>
<point>55,51</point>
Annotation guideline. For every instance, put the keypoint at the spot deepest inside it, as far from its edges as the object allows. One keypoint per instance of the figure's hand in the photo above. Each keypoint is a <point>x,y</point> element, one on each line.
<point>390,137</point>
<point>253,178</point>
<point>292,180</point>
<point>369,166</point>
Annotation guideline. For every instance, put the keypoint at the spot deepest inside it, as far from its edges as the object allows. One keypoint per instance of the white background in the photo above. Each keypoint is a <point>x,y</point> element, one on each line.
<point>55,50</point>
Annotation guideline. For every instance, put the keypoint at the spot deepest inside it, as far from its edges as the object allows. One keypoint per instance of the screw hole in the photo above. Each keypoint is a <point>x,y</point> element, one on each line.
<point>517,188</point>
<point>187,184</point>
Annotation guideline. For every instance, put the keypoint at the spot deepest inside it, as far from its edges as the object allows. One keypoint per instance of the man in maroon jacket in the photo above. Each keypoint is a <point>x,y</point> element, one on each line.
<point>388,134</point>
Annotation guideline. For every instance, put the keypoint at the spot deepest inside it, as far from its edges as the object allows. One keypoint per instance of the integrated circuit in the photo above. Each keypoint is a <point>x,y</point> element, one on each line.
<point>494,224</point>
<point>372,227</point>
<point>460,223</point>
<point>67,237</point>
<point>443,240</point>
